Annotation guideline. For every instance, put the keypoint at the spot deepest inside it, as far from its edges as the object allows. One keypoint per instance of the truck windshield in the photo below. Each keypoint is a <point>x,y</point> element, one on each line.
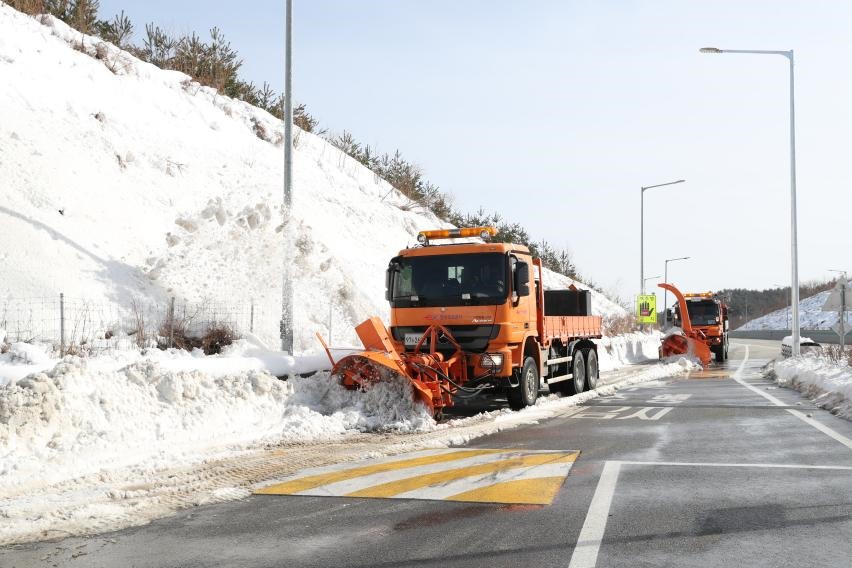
<point>703,312</point>
<point>449,280</point>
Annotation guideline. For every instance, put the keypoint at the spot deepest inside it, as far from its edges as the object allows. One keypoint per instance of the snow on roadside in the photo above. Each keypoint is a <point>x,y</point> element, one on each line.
<point>628,349</point>
<point>827,383</point>
<point>120,497</point>
<point>81,416</point>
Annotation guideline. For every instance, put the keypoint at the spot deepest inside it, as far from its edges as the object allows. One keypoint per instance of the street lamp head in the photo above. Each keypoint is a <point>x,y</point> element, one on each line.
<point>710,50</point>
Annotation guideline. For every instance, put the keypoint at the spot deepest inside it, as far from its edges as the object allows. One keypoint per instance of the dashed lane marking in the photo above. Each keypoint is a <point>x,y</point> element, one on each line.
<point>471,475</point>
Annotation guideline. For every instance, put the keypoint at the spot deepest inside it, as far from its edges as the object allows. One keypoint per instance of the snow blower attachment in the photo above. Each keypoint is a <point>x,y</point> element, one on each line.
<point>427,372</point>
<point>688,340</point>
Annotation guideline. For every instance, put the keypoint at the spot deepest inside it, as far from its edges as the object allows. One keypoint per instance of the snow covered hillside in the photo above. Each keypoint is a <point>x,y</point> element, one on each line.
<point>122,181</point>
<point>810,314</point>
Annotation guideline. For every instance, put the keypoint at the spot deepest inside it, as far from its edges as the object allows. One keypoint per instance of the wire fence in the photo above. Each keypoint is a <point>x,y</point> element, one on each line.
<point>76,325</point>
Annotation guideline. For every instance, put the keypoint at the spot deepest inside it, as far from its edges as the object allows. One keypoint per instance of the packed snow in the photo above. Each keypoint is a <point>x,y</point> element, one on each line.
<point>828,383</point>
<point>811,316</point>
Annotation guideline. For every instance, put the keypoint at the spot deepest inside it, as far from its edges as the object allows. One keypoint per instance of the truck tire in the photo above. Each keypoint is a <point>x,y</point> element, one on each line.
<point>720,353</point>
<point>526,392</point>
<point>578,373</point>
<point>592,371</point>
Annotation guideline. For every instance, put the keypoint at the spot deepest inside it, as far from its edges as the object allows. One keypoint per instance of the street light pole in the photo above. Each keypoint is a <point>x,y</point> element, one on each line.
<point>794,247</point>
<point>666,279</point>
<point>286,325</point>
<point>642,231</point>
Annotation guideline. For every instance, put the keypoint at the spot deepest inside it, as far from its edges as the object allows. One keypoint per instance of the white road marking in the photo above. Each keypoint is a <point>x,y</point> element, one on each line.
<point>591,535</point>
<point>353,484</point>
<point>451,488</point>
<point>810,421</point>
<point>589,542</point>
<point>761,465</point>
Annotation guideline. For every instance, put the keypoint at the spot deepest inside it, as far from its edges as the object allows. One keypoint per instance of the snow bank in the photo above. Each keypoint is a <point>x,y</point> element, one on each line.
<point>810,314</point>
<point>827,383</point>
<point>167,407</point>
<point>628,349</point>
<point>79,418</point>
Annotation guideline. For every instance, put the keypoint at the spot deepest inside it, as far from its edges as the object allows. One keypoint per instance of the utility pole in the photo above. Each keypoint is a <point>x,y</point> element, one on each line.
<point>286,326</point>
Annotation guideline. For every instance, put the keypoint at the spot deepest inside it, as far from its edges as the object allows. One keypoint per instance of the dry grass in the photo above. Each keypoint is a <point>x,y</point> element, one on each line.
<point>31,7</point>
<point>618,325</point>
<point>836,355</point>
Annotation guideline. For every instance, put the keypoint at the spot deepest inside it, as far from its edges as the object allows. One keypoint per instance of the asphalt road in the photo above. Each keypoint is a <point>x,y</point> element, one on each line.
<point>716,469</point>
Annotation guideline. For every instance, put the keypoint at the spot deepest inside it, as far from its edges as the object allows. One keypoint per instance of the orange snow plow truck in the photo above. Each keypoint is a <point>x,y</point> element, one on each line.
<point>709,315</point>
<point>473,318</point>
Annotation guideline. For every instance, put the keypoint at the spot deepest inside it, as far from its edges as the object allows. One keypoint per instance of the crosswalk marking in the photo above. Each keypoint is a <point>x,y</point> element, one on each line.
<point>306,483</point>
<point>410,484</point>
<point>474,475</point>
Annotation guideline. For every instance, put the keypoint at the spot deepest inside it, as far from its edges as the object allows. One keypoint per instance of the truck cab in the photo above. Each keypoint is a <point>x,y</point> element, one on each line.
<point>708,314</point>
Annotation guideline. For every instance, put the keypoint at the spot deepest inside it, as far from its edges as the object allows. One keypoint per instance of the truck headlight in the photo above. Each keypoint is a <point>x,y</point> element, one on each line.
<point>491,360</point>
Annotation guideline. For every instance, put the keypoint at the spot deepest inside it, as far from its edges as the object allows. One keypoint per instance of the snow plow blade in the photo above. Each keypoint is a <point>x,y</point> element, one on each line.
<point>381,362</point>
<point>690,342</point>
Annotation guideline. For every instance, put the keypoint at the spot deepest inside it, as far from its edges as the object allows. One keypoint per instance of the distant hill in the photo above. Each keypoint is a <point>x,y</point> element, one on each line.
<point>746,305</point>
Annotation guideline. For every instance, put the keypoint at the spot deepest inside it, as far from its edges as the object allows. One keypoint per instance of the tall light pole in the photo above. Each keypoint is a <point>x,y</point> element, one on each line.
<point>642,232</point>
<point>794,247</point>
<point>286,325</point>
<point>666,279</point>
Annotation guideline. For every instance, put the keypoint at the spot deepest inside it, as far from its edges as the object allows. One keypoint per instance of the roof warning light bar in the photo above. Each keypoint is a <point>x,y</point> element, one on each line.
<point>484,233</point>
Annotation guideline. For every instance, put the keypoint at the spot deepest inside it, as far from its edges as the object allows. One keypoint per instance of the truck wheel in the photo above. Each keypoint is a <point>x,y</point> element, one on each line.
<point>592,371</point>
<point>578,373</point>
<point>527,390</point>
<point>720,354</point>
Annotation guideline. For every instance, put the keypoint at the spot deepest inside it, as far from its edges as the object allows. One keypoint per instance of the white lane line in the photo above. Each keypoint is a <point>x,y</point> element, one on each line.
<point>761,465</point>
<point>589,542</point>
<point>804,418</point>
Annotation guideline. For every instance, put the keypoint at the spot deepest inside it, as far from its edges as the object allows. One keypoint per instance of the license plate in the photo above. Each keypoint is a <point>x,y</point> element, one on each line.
<point>411,339</point>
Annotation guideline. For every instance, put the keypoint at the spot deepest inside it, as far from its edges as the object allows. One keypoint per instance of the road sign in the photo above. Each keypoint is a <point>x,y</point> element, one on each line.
<point>646,308</point>
<point>834,302</point>
<point>840,329</point>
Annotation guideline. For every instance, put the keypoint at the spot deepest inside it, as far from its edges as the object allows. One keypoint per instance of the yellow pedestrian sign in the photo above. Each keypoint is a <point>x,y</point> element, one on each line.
<point>646,308</point>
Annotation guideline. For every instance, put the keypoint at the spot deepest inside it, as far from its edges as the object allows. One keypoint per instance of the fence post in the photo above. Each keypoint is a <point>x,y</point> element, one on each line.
<point>172,322</point>
<point>251,318</point>
<point>61,324</point>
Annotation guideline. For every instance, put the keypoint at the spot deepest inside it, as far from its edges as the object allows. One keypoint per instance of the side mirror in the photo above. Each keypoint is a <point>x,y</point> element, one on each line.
<point>393,268</point>
<point>522,279</point>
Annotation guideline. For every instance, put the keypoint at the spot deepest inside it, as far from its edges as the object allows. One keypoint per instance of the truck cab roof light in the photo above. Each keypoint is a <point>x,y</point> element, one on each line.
<point>484,233</point>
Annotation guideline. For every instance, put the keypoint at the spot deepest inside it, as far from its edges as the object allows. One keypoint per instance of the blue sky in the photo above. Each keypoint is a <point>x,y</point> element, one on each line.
<point>555,113</point>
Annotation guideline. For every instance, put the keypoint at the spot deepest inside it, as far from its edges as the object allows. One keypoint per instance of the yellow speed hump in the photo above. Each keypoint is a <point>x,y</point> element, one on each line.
<point>646,308</point>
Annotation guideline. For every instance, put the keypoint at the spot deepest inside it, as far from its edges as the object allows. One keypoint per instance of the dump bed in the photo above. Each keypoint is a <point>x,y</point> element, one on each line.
<point>568,315</point>
<point>567,328</point>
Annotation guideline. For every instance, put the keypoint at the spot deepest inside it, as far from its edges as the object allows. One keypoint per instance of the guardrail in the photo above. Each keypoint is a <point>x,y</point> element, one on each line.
<point>819,335</point>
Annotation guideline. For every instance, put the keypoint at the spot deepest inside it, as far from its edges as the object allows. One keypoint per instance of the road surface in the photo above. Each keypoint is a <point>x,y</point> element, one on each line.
<point>720,468</point>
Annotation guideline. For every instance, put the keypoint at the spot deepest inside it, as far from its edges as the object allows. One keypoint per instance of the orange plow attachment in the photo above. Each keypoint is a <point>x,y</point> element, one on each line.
<point>380,361</point>
<point>691,342</point>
